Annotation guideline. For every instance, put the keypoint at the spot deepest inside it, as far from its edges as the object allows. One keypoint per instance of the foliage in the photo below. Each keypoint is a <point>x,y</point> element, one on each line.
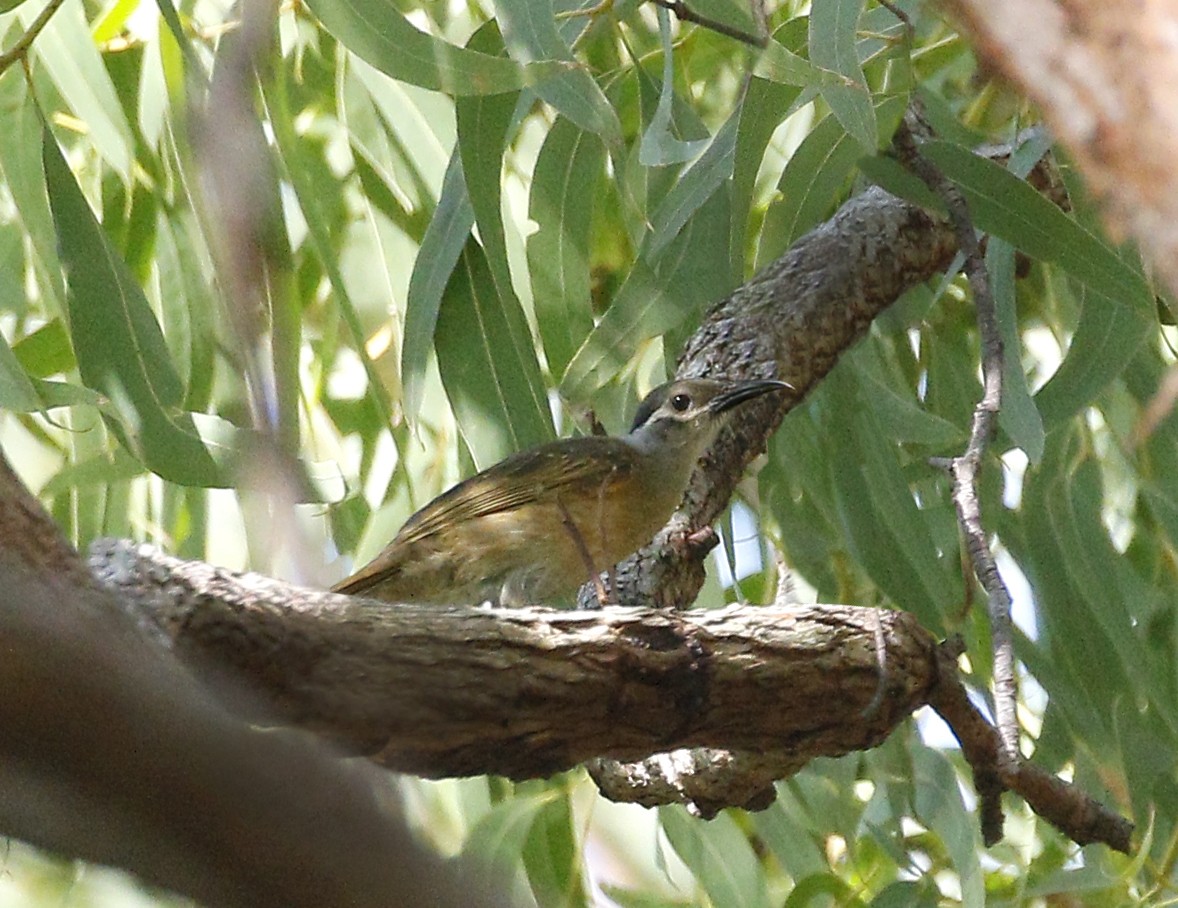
<point>482,222</point>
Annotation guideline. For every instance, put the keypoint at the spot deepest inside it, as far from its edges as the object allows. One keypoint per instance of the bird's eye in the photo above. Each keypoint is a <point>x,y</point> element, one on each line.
<point>680,402</point>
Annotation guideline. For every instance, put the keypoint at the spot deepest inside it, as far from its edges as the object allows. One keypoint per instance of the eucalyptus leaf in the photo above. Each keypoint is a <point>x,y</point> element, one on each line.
<point>565,185</point>
<point>833,26</point>
<point>130,363</point>
<point>493,383</point>
<point>376,31</point>
<point>719,855</point>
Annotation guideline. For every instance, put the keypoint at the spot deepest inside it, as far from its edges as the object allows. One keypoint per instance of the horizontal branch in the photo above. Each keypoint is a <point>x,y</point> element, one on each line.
<point>706,708</point>
<point>524,693</point>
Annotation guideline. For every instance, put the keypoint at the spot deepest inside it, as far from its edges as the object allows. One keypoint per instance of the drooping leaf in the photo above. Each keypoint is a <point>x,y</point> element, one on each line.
<point>662,143</point>
<point>833,27</point>
<point>118,343</point>
<point>568,173</point>
<point>437,259</point>
<point>530,34</point>
<point>1019,418</point>
<point>719,855</point>
<point>69,53</point>
<point>490,374</point>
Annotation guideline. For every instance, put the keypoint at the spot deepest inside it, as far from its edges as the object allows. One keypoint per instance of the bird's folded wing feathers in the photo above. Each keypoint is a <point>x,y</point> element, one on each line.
<point>573,464</point>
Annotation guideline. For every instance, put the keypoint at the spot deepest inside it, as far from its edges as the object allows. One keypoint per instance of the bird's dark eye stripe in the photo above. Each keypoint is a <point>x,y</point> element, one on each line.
<point>681,402</point>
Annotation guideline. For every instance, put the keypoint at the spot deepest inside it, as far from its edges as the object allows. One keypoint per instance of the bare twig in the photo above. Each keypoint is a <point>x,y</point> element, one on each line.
<point>21,48</point>
<point>686,14</point>
<point>966,467</point>
<point>1080,817</point>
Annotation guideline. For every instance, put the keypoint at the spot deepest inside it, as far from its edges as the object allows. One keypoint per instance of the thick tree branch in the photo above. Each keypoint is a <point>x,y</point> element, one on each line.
<point>792,321</point>
<point>527,692</point>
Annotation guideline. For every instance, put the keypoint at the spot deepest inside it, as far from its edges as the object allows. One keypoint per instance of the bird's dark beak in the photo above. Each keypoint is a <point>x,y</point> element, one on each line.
<point>747,390</point>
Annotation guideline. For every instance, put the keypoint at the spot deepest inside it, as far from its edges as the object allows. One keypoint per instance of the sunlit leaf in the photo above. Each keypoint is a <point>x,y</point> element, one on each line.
<point>376,31</point>
<point>69,53</point>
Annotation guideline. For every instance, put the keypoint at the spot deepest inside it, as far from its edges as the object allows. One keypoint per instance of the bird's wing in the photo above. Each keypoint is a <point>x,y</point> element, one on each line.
<point>512,483</point>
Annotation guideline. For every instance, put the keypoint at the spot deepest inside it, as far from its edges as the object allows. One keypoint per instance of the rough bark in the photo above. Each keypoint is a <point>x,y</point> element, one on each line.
<point>527,692</point>
<point>711,706</point>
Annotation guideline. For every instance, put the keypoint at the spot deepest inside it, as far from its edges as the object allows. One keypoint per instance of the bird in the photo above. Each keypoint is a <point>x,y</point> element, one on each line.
<point>534,527</point>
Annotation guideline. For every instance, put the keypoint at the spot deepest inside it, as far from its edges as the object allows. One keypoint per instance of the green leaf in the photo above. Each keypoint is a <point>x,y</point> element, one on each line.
<point>484,127</point>
<point>901,415</point>
<point>940,808</point>
<point>884,529</point>
<point>376,32</point>
<point>118,343</point>
<point>719,855</point>
<point>695,187</point>
<point>661,143</point>
<point>1007,207</point>
<point>440,251</point>
<point>761,112</point>
<point>24,177</point>
<point>786,833</point>
<point>907,894</point>
<point>778,63</point>
<point>1107,338</point>
<point>491,379</point>
<point>1019,417</point>
<point>497,840</point>
<point>816,174</point>
<point>100,469</point>
<point>833,27</point>
<point>303,177</point>
<point>69,54</point>
<point>16,390</point>
<point>187,306</point>
<point>46,351</point>
<point>809,891</point>
<point>887,173</point>
<point>565,184</point>
<point>552,856</point>
<point>530,34</point>
<point>657,298</point>
<point>418,125</point>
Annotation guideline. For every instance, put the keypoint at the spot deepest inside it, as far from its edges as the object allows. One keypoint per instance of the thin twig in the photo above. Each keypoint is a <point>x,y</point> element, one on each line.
<point>21,47</point>
<point>686,14</point>
<point>1068,808</point>
<point>966,467</point>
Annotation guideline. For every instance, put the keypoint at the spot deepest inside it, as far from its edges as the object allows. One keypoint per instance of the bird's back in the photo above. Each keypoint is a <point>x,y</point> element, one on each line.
<point>504,535</point>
